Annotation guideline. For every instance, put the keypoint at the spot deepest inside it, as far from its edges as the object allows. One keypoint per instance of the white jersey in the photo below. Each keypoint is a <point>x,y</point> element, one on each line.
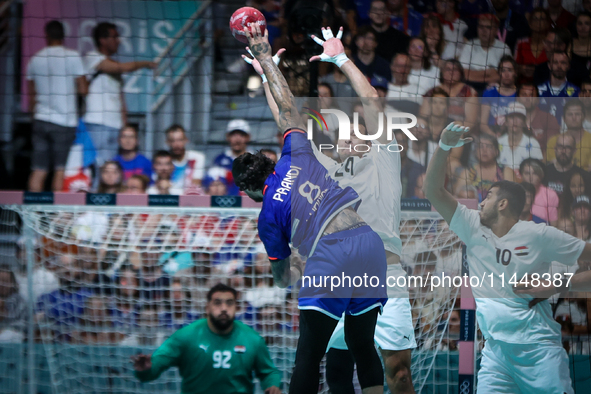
<point>376,178</point>
<point>527,248</point>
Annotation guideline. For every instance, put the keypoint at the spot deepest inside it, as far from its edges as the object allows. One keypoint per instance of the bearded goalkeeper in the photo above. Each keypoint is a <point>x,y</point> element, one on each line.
<point>214,355</point>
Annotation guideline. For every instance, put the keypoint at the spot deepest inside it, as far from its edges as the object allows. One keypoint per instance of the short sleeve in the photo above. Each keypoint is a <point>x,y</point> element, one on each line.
<point>31,69</point>
<point>199,169</point>
<point>465,223</point>
<point>275,241</point>
<point>560,246</point>
<point>92,62</point>
<point>464,58</point>
<point>77,66</point>
<point>536,150</point>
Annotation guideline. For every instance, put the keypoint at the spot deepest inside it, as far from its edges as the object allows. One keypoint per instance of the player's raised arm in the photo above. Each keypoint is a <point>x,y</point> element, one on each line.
<point>434,185</point>
<point>261,50</point>
<point>334,52</point>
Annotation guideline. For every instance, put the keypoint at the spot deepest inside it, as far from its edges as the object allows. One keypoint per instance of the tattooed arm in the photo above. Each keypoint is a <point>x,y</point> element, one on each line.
<point>260,48</point>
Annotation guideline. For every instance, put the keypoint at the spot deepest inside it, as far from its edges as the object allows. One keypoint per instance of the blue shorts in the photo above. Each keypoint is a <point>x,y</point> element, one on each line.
<point>346,274</point>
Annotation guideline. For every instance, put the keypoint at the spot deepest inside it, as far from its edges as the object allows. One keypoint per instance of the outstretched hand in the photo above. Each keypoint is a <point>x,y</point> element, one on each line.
<point>334,51</point>
<point>255,63</point>
<point>451,135</point>
<point>258,42</point>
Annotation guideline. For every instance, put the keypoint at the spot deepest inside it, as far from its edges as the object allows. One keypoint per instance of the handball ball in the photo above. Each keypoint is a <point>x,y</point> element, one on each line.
<point>244,17</point>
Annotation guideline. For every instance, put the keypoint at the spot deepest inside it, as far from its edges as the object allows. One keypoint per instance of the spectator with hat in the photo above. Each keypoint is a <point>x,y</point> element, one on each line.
<point>189,165</point>
<point>481,56</point>
<point>215,182</point>
<point>516,144</point>
<point>574,114</point>
<point>238,137</point>
<point>380,85</point>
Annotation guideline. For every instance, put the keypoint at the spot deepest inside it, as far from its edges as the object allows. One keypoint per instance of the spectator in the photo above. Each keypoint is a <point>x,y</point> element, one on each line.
<point>585,96</point>
<point>530,51</point>
<point>481,56</point>
<point>390,40</point>
<point>545,205</point>
<point>421,150</point>
<point>526,214</point>
<point>574,186</point>
<point>574,114</point>
<point>105,105</point>
<point>497,98</point>
<point>486,170</point>
<point>466,192</point>
<point>215,182</point>
<point>380,85</point>
<point>555,91</point>
<point>406,94</point>
<point>137,184</point>
<point>463,102</point>
<point>366,58</point>
<point>338,82</point>
<point>404,18</point>
<point>154,282</point>
<point>44,280</point>
<point>513,24</point>
<point>557,40</point>
<point>432,34</point>
<point>422,73</point>
<point>581,213</point>
<point>55,75</point>
<point>516,144</point>
<point>96,324</point>
<point>189,165</point>
<point>559,17</point>
<point>129,157</point>
<point>542,125</point>
<point>410,170</point>
<point>162,175</point>
<point>238,137</point>
<point>127,302</point>
<point>181,312</point>
<point>271,154</point>
<point>580,63</point>
<point>12,308</point>
<point>562,167</point>
<point>470,10</point>
<point>454,28</point>
<point>111,178</point>
<point>151,333</point>
<point>571,313</point>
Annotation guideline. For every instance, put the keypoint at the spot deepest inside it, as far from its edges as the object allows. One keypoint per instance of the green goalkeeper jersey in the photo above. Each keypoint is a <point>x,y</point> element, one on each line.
<point>210,363</point>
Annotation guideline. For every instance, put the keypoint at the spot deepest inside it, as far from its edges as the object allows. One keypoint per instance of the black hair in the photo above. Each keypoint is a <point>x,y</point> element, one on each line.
<point>586,81</point>
<point>566,198</point>
<point>251,171</point>
<point>574,102</point>
<point>175,127</point>
<point>580,14</point>
<point>509,59</point>
<point>514,193</point>
<point>221,288</point>
<point>54,30</point>
<point>161,153</point>
<point>528,84</point>
<point>102,30</point>
<point>137,145</point>
<point>458,66</point>
<point>529,188</point>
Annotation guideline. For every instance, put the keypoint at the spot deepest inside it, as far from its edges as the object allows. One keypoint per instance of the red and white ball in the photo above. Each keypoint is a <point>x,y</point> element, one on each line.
<point>245,17</point>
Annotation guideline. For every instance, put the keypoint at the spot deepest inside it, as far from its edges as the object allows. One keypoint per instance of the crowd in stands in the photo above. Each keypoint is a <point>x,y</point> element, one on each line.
<point>517,72</point>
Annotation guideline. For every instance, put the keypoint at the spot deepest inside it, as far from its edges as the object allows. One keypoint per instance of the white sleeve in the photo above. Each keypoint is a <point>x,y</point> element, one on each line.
<point>466,55</point>
<point>92,62</point>
<point>326,161</point>
<point>536,151</point>
<point>77,67</point>
<point>31,69</point>
<point>465,223</point>
<point>560,246</point>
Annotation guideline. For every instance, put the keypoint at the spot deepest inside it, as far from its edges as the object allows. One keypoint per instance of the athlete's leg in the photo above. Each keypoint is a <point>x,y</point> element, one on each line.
<point>397,365</point>
<point>315,331</point>
<point>359,333</point>
<point>340,367</point>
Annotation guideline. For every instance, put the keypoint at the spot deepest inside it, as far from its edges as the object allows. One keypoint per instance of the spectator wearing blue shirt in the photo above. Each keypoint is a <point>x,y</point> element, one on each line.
<point>554,92</point>
<point>497,98</point>
<point>405,19</point>
<point>238,137</point>
<point>216,182</point>
<point>366,58</point>
<point>133,162</point>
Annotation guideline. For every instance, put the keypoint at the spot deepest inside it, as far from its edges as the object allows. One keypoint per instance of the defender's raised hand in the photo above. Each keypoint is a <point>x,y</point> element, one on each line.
<point>257,66</point>
<point>334,51</point>
<point>258,42</point>
<point>451,136</point>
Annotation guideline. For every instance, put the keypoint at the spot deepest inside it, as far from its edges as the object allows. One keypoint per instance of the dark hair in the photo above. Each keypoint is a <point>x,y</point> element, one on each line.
<point>426,52</point>
<point>563,35</point>
<point>54,30</point>
<point>142,178</point>
<point>529,188</point>
<point>221,288</point>
<point>161,153</point>
<point>102,30</point>
<point>541,10</point>
<point>457,65</point>
<point>6,268</point>
<point>514,193</point>
<point>509,59</point>
<point>574,102</point>
<point>439,91</point>
<point>586,81</point>
<point>326,85</point>
<point>102,187</point>
<point>559,53</point>
<point>432,18</point>
<point>538,166</point>
<point>251,171</point>
<point>580,14</point>
<point>491,138</point>
<point>271,151</point>
<point>567,198</point>
<point>175,127</point>
<point>137,145</point>
<point>529,84</point>
<point>363,30</point>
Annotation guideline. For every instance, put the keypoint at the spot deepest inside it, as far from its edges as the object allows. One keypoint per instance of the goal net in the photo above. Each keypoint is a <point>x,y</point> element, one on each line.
<point>120,280</point>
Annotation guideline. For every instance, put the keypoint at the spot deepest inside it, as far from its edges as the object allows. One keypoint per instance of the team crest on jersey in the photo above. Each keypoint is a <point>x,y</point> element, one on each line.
<point>570,91</point>
<point>521,251</point>
<point>239,349</point>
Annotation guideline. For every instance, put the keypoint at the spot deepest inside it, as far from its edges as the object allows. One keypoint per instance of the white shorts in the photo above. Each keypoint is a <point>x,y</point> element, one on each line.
<point>394,329</point>
<point>524,369</point>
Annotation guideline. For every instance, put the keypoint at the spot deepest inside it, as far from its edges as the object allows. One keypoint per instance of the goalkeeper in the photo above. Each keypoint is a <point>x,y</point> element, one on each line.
<point>214,355</point>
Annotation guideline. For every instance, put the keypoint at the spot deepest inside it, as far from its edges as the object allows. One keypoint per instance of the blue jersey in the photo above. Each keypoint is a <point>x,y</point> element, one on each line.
<point>498,104</point>
<point>299,200</point>
<point>554,103</point>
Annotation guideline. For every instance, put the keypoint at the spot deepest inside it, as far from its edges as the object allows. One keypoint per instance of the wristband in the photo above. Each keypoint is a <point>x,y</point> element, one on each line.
<point>340,59</point>
<point>264,78</point>
<point>445,147</point>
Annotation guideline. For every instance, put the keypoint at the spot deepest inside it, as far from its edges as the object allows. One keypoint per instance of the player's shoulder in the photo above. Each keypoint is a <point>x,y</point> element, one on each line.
<point>531,229</point>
